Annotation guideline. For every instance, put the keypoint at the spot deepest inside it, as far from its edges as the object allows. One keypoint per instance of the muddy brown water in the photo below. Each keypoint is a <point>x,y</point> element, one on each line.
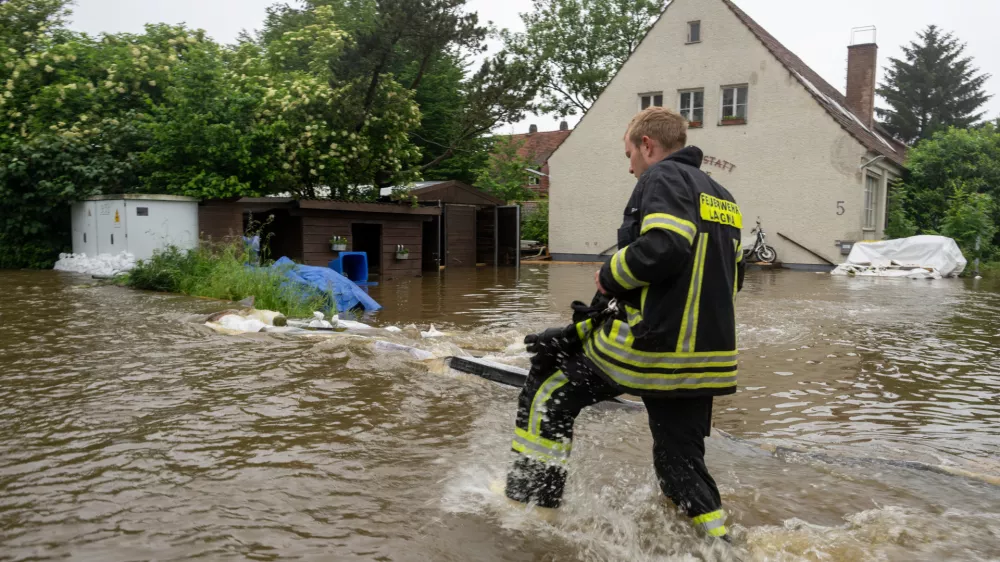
<point>867,427</point>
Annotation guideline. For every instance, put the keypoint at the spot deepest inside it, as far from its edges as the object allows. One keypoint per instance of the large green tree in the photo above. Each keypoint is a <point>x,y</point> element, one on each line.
<point>576,46</point>
<point>275,118</point>
<point>932,88</point>
<point>423,45</point>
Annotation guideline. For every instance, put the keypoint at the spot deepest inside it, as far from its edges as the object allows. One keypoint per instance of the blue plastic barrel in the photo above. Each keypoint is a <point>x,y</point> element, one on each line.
<point>353,265</point>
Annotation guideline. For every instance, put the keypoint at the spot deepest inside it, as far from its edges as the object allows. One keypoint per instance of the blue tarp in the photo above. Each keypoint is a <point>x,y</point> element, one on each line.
<point>327,282</point>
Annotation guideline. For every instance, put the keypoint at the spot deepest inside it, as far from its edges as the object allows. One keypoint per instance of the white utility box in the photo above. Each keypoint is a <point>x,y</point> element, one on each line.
<point>139,224</point>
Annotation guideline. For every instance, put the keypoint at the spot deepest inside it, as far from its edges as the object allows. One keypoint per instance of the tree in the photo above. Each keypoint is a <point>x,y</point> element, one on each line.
<point>576,46</point>
<point>970,222</point>
<point>969,158</point>
<point>899,223</point>
<point>933,89</point>
<point>422,45</point>
<point>506,172</point>
<point>270,119</point>
<point>535,225</point>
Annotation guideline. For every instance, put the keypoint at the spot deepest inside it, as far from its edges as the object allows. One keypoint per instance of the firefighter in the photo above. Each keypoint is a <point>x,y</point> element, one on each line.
<point>661,327</point>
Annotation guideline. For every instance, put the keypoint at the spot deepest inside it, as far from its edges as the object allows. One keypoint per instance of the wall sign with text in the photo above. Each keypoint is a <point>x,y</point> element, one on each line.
<point>719,163</point>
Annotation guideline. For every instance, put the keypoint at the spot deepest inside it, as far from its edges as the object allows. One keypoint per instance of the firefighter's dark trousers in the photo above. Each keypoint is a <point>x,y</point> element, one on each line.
<point>543,439</point>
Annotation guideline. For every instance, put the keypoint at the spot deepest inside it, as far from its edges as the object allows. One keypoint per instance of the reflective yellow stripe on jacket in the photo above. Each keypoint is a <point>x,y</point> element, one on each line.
<point>614,353</point>
<point>685,228</point>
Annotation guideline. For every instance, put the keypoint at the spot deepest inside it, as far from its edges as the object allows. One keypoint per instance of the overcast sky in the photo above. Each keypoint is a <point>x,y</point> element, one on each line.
<point>819,35</point>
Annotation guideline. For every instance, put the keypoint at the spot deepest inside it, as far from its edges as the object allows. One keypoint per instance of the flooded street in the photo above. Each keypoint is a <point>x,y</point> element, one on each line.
<point>867,427</point>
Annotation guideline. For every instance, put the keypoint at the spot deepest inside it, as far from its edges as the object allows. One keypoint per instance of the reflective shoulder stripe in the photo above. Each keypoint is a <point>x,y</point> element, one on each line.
<point>689,323</point>
<point>583,329</point>
<point>685,228</point>
<point>621,272</point>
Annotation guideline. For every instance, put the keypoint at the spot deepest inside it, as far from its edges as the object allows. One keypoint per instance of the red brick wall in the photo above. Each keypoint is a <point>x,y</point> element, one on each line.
<point>542,189</point>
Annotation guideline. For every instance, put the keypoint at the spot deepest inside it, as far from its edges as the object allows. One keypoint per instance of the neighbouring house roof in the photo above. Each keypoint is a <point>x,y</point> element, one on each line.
<point>874,138</point>
<point>538,147</point>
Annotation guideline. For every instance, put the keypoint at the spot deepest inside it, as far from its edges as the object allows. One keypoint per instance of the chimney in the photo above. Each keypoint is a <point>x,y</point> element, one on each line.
<point>563,126</point>
<point>532,129</point>
<point>862,63</point>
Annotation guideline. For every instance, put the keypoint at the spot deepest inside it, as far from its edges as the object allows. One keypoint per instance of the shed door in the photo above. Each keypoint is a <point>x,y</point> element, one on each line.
<point>111,227</point>
<point>509,235</point>
<point>460,235</point>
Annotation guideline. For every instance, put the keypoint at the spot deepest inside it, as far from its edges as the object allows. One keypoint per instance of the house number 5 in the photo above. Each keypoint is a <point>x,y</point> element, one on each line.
<point>840,208</point>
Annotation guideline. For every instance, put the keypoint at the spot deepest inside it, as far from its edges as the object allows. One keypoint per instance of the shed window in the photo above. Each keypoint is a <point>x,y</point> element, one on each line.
<point>694,32</point>
<point>647,100</point>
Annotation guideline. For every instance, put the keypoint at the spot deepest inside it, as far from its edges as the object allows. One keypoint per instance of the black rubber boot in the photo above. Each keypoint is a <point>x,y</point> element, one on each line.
<point>531,481</point>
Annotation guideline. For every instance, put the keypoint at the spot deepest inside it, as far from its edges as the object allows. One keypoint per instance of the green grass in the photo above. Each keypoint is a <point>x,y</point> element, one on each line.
<point>989,269</point>
<point>219,272</point>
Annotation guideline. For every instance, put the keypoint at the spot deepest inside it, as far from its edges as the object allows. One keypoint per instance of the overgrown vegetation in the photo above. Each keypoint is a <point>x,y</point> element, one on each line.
<point>535,225</point>
<point>506,174</point>
<point>951,189</point>
<point>229,271</point>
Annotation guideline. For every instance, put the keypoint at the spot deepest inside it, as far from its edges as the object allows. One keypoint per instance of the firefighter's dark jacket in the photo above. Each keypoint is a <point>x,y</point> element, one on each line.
<point>676,273</point>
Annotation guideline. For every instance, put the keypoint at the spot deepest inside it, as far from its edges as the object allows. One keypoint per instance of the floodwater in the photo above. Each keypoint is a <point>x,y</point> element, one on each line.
<point>867,427</point>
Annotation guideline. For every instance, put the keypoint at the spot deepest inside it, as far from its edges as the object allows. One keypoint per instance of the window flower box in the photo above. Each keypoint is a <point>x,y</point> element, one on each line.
<point>694,124</point>
<point>402,253</point>
<point>338,244</point>
<point>732,120</point>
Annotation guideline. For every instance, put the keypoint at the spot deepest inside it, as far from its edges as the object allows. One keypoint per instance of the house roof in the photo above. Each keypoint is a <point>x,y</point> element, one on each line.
<point>538,147</point>
<point>873,138</point>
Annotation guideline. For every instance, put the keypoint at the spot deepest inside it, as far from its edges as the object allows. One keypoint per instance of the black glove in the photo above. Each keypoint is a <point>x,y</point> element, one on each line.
<point>545,341</point>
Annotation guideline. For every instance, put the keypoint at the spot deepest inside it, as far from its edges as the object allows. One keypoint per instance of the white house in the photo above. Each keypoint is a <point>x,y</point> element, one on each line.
<point>794,151</point>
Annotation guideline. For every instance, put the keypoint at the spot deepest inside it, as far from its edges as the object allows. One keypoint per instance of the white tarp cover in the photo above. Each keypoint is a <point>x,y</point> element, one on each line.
<point>916,256</point>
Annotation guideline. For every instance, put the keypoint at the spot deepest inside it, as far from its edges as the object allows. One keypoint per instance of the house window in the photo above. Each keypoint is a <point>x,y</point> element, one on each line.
<point>533,180</point>
<point>646,100</point>
<point>871,202</point>
<point>693,106</point>
<point>734,105</point>
<point>694,32</point>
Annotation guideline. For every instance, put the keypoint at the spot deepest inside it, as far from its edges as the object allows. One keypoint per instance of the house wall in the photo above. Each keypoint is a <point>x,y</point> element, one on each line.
<point>791,164</point>
<point>319,226</point>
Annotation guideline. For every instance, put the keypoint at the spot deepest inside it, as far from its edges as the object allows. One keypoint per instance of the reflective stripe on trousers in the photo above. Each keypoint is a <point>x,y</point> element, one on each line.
<point>530,442</point>
<point>714,523</point>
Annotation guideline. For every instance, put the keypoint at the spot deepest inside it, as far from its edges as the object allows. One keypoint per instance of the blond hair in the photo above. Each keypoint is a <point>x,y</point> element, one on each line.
<point>660,124</point>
